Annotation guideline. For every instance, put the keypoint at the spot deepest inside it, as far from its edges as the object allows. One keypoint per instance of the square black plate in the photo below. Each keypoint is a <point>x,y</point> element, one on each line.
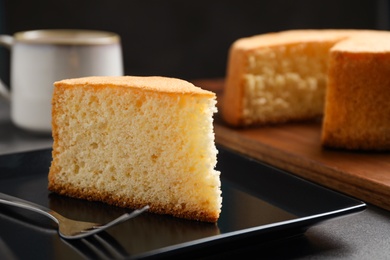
<point>259,202</point>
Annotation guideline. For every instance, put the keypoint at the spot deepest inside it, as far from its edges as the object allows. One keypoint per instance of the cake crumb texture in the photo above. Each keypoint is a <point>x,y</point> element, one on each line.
<point>136,141</point>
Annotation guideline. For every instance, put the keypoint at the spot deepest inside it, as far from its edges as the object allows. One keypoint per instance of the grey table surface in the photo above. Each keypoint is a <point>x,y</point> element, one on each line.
<point>365,235</point>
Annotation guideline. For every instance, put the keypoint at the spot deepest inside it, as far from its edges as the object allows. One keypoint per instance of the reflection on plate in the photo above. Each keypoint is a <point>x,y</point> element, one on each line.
<point>259,202</point>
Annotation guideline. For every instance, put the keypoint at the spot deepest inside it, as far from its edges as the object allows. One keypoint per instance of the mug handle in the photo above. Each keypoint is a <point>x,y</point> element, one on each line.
<point>6,41</point>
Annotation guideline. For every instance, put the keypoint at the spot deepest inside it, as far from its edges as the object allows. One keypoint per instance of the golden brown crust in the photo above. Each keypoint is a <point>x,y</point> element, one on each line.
<point>292,37</point>
<point>125,202</point>
<point>152,83</point>
<point>232,103</point>
<point>357,102</point>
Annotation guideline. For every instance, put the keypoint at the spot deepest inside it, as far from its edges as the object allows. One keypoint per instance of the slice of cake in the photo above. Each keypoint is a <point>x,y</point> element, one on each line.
<point>357,110</point>
<point>136,141</point>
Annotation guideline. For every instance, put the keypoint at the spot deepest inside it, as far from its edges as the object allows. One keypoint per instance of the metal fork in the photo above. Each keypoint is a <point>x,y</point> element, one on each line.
<point>68,228</point>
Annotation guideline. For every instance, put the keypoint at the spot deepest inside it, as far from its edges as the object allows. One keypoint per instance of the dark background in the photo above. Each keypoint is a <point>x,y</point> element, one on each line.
<point>185,39</point>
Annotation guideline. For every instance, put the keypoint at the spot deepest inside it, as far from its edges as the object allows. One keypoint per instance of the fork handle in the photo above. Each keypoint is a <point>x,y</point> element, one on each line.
<point>17,202</point>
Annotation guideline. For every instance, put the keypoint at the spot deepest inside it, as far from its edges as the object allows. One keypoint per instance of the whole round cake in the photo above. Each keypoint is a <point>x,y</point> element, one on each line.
<point>338,75</point>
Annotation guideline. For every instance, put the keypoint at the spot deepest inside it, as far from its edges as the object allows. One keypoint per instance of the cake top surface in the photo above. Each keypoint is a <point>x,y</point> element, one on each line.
<point>297,36</point>
<point>365,43</point>
<point>148,83</point>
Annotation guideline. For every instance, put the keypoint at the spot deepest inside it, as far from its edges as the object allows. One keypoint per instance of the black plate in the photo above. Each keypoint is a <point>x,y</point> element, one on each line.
<point>260,203</point>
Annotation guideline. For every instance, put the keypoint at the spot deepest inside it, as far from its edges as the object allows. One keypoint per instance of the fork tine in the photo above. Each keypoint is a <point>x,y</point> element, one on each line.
<point>93,244</point>
<point>113,249</point>
<point>99,228</point>
<point>99,246</point>
<point>84,249</point>
<point>112,245</point>
<point>124,217</point>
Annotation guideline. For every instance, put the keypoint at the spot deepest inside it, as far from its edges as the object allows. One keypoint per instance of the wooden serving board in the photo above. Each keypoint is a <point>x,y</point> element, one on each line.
<point>296,147</point>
